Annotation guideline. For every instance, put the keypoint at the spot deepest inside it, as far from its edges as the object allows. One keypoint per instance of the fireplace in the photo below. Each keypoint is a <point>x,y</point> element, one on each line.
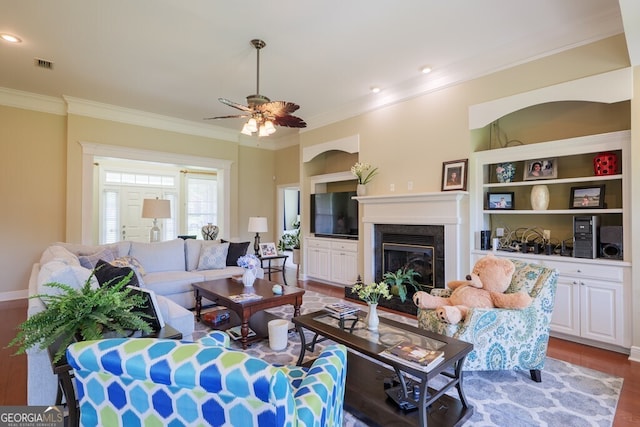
<point>420,247</point>
<point>430,228</point>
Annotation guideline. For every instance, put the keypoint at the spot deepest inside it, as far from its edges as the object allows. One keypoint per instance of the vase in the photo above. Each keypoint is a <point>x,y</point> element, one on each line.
<point>605,164</point>
<point>372,317</point>
<point>210,232</point>
<point>505,172</point>
<point>539,197</point>
<point>361,190</point>
<point>248,278</point>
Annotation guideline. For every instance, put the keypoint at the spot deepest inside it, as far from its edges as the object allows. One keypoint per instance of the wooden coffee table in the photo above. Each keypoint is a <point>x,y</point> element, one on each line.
<point>220,291</point>
<point>401,396</point>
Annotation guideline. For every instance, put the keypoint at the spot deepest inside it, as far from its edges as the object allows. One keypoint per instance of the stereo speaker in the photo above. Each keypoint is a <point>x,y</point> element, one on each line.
<point>585,236</point>
<point>611,242</point>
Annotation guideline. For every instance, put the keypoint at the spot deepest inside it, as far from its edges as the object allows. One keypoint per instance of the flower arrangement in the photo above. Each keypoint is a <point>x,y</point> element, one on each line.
<point>363,172</point>
<point>372,292</point>
<point>250,262</point>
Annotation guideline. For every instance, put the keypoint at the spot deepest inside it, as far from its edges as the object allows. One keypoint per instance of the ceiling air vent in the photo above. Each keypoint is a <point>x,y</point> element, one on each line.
<point>43,63</point>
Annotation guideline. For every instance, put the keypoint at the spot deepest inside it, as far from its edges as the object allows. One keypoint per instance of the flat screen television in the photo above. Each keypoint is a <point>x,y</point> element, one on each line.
<point>334,214</point>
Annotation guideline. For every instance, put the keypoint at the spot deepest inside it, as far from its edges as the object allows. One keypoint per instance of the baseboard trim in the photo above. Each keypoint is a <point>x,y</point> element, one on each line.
<point>592,343</point>
<point>13,295</point>
<point>634,354</point>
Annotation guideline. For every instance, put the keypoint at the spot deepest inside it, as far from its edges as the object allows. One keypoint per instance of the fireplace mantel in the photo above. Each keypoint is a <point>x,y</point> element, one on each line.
<point>450,209</point>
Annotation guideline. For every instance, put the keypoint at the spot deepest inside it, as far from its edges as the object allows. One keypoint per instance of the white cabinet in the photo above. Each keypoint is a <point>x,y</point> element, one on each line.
<point>592,299</point>
<point>332,260</point>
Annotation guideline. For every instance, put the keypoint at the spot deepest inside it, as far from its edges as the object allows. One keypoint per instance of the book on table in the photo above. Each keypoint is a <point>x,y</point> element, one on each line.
<point>235,333</point>
<point>341,309</point>
<point>245,297</point>
<point>414,355</point>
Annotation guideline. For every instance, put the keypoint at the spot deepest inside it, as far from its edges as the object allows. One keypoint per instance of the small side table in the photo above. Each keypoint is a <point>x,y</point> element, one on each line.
<point>65,373</point>
<point>276,268</point>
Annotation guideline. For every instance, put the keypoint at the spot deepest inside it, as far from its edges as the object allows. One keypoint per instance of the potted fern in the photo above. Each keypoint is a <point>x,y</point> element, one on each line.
<point>87,313</point>
<point>399,279</point>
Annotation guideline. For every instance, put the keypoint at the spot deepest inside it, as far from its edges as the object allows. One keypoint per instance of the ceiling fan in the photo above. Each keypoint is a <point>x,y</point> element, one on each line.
<point>263,113</point>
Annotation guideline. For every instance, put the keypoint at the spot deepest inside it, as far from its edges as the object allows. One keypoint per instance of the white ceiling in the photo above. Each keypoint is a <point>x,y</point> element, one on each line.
<point>175,58</point>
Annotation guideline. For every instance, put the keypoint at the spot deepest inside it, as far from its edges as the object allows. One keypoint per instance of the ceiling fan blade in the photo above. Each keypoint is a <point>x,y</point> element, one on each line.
<point>228,117</point>
<point>235,105</point>
<point>289,121</point>
<point>277,108</point>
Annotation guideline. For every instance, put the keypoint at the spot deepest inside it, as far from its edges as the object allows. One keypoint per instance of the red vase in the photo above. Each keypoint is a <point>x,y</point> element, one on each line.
<point>605,164</point>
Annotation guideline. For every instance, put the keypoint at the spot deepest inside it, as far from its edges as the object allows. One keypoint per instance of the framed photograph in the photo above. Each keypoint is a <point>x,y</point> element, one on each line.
<point>499,201</point>
<point>587,197</point>
<point>540,169</point>
<point>268,249</point>
<point>454,175</point>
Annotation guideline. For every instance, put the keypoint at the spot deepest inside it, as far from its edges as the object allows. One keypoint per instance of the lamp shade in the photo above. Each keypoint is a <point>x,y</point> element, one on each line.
<point>156,208</point>
<point>258,224</point>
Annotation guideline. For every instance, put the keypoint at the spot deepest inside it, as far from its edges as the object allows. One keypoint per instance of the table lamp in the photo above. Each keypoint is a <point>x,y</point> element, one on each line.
<point>155,208</point>
<point>257,224</point>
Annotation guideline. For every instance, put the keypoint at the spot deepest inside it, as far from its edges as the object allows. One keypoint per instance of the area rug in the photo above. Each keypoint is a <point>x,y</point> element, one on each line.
<point>568,396</point>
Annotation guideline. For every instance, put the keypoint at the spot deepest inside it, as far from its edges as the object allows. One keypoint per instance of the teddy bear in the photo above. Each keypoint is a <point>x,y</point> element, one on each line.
<point>484,288</point>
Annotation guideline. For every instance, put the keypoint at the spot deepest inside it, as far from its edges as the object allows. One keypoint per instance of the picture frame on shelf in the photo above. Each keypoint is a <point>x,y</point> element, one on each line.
<point>588,197</point>
<point>540,169</point>
<point>500,201</point>
<point>454,175</point>
<point>268,249</point>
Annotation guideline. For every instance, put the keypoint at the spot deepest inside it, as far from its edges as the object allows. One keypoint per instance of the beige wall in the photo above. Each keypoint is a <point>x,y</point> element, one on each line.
<point>32,190</point>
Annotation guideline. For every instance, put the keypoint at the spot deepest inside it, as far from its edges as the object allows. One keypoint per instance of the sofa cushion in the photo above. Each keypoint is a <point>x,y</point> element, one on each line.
<point>109,275</point>
<point>90,261</point>
<point>59,253</point>
<point>236,250</point>
<point>192,253</point>
<point>161,256</point>
<point>213,256</point>
<point>222,274</point>
<point>172,282</point>
<point>74,276</point>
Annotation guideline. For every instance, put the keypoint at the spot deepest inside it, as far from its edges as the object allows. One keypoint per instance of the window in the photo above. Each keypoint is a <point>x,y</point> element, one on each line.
<point>111,216</point>
<point>202,202</point>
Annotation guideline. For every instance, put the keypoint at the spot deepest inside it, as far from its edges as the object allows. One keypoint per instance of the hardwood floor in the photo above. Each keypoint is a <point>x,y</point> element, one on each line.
<point>13,387</point>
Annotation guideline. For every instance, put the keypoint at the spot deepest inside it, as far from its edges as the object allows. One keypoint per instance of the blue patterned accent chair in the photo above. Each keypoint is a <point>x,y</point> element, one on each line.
<point>146,381</point>
<point>502,338</point>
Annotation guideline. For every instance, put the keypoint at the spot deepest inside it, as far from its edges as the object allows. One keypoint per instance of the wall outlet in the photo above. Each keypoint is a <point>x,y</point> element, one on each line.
<point>546,235</point>
<point>392,187</point>
<point>499,232</point>
<point>410,185</point>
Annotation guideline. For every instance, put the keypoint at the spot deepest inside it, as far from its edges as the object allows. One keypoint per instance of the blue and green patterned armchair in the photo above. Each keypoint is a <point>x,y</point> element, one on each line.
<point>146,381</point>
<point>505,339</point>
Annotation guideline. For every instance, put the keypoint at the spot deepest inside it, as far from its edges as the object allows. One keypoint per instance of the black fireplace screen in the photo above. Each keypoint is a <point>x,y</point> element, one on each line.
<point>419,258</point>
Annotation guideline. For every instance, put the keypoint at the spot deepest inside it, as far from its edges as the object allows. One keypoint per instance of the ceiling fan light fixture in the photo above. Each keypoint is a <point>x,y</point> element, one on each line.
<point>269,127</point>
<point>245,130</point>
<point>263,131</point>
<point>252,125</point>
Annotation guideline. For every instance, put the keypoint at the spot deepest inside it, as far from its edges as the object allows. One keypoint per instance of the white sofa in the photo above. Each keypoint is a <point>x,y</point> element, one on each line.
<point>167,268</point>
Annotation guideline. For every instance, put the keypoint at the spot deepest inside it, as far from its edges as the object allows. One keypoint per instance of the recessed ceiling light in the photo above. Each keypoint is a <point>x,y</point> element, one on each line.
<point>10,38</point>
<point>375,89</point>
<point>425,70</point>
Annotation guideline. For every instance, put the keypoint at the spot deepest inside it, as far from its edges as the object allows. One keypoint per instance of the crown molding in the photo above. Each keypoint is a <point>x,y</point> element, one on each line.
<point>98,110</point>
<point>32,101</point>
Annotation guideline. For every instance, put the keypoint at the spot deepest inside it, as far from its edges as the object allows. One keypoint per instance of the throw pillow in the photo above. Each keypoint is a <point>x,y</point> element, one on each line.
<point>133,263</point>
<point>90,261</point>
<point>213,256</point>
<point>236,250</point>
<point>109,275</point>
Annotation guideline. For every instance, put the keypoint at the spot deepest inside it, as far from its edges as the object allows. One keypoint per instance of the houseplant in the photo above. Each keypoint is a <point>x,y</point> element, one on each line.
<point>82,314</point>
<point>398,280</point>
<point>291,241</point>
<point>371,294</point>
<point>364,173</point>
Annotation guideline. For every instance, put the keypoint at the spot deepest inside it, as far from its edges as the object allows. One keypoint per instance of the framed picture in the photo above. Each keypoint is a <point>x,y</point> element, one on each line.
<point>454,175</point>
<point>499,201</point>
<point>540,169</point>
<point>587,197</point>
<point>268,249</point>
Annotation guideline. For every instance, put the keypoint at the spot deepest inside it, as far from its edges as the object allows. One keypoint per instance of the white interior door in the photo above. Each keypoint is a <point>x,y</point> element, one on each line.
<point>133,226</point>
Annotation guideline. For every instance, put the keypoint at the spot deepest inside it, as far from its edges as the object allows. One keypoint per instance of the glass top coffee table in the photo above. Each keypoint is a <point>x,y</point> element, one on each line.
<point>381,396</point>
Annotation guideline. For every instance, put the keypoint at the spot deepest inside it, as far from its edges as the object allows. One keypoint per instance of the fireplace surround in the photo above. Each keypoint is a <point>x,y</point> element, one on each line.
<point>406,217</point>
